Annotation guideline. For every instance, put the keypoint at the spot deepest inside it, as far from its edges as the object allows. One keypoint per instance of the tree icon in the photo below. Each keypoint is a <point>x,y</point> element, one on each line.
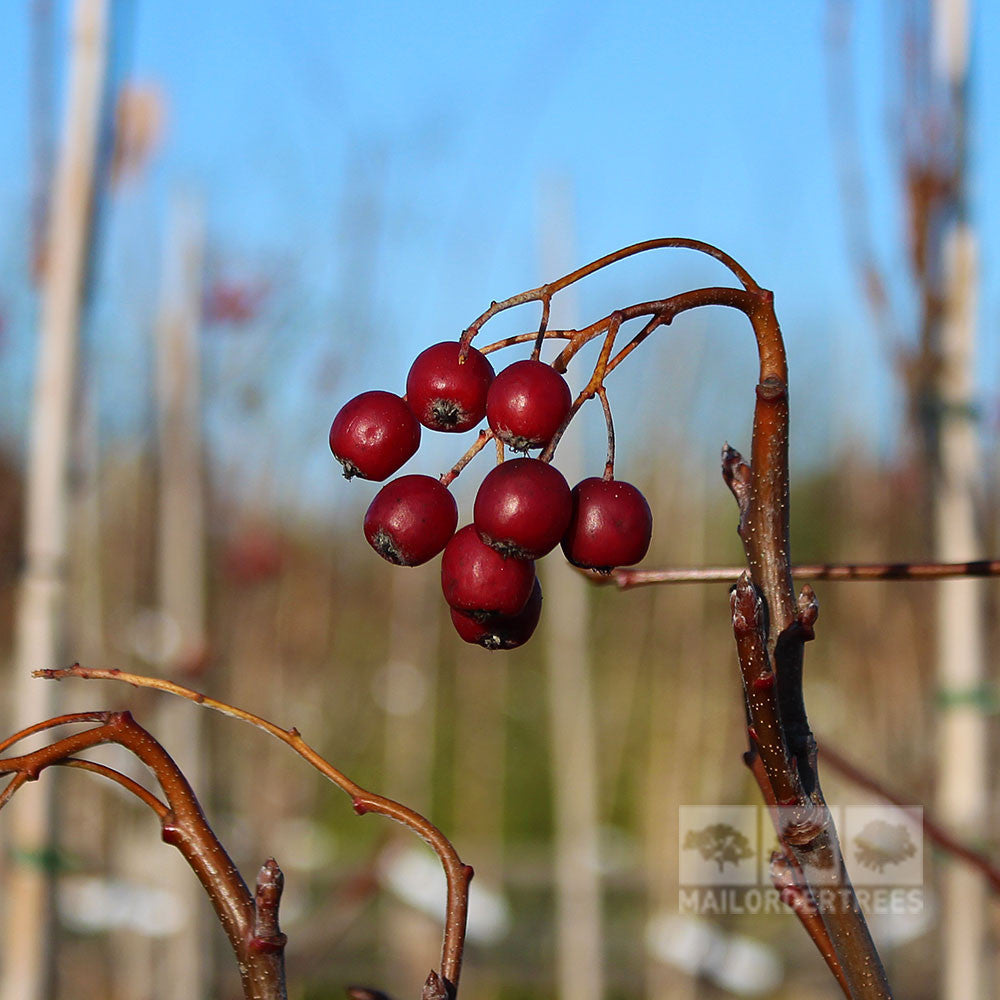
<point>880,844</point>
<point>719,842</point>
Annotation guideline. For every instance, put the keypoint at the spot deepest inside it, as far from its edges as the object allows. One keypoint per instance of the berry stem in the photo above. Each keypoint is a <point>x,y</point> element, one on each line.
<point>500,455</point>
<point>545,292</point>
<point>591,388</point>
<point>525,338</point>
<point>447,478</point>
<point>542,326</point>
<point>609,465</point>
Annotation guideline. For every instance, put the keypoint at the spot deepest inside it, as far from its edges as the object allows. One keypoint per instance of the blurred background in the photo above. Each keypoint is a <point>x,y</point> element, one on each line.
<point>218,222</point>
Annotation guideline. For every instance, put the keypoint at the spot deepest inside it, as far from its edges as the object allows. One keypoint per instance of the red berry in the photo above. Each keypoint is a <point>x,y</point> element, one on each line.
<point>479,581</point>
<point>411,519</point>
<point>527,404</point>
<point>445,395</point>
<point>523,508</point>
<point>373,435</point>
<point>498,632</point>
<point>611,525</point>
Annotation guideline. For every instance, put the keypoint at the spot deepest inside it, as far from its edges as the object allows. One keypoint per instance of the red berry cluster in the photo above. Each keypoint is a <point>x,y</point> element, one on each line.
<point>524,506</point>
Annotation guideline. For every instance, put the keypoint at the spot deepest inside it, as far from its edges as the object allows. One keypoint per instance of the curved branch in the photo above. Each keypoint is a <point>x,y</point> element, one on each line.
<point>143,794</point>
<point>182,823</point>
<point>61,720</point>
<point>762,495</point>
<point>457,873</point>
<point>544,293</point>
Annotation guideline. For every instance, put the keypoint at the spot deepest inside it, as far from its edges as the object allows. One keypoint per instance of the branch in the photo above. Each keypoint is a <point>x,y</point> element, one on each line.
<point>626,579</point>
<point>144,795</point>
<point>770,639</point>
<point>182,823</point>
<point>457,873</point>
<point>789,879</point>
<point>544,293</point>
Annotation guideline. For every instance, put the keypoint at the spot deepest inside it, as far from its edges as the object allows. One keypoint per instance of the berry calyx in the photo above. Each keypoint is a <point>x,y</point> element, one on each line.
<point>527,404</point>
<point>373,435</point>
<point>410,520</point>
<point>523,508</point>
<point>478,580</point>
<point>498,632</point>
<point>611,525</point>
<point>445,395</point>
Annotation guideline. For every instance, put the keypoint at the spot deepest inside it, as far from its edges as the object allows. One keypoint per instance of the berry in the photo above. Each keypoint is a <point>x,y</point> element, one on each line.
<point>527,404</point>
<point>445,395</point>
<point>523,508</point>
<point>498,632</point>
<point>373,435</point>
<point>411,519</point>
<point>479,581</point>
<point>611,525</point>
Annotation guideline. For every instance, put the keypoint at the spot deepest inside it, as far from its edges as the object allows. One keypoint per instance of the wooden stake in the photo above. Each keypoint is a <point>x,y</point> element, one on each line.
<point>181,559</point>
<point>27,939</point>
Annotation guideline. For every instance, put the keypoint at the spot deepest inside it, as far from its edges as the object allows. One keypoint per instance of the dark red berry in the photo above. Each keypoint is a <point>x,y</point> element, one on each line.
<point>523,508</point>
<point>498,632</point>
<point>373,435</point>
<point>527,404</point>
<point>479,581</point>
<point>411,519</point>
<point>445,395</point>
<point>611,525</point>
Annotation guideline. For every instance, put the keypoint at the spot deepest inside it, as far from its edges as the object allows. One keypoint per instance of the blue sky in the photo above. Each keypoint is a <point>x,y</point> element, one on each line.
<point>388,162</point>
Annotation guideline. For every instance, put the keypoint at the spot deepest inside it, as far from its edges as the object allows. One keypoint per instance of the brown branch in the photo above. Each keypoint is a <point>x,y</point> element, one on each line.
<point>789,879</point>
<point>143,794</point>
<point>12,786</point>
<point>782,625</point>
<point>182,823</point>
<point>526,338</point>
<point>447,478</point>
<point>544,293</point>
<point>626,579</point>
<point>457,873</point>
<point>40,727</point>
<point>761,695</point>
<point>609,464</point>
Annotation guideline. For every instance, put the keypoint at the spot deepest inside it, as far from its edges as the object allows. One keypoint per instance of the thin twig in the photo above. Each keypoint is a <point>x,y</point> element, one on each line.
<point>447,478</point>
<point>609,464</point>
<point>143,794</point>
<point>626,579</point>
